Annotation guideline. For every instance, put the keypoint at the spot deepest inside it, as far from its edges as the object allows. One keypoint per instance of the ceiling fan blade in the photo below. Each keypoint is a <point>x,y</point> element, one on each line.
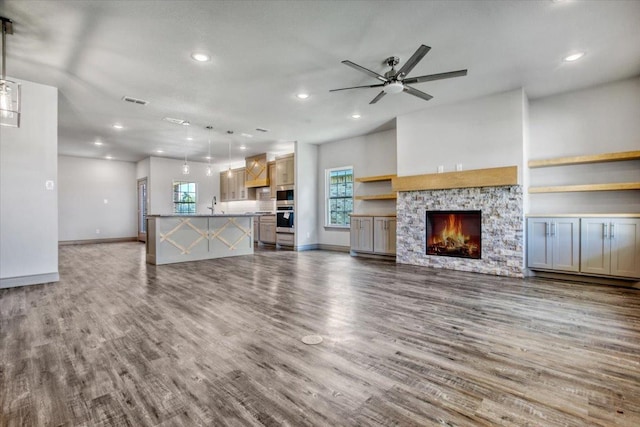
<point>413,61</point>
<point>431,77</point>
<point>356,87</point>
<point>378,97</point>
<point>366,71</point>
<point>416,92</point>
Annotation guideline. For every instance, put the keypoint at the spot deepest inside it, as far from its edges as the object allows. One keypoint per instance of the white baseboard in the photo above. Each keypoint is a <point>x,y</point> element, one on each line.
<point>93,241</point>
<point>35,279</point>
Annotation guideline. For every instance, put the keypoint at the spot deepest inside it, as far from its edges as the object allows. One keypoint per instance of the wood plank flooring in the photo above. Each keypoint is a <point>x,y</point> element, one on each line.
<point>120,343</point>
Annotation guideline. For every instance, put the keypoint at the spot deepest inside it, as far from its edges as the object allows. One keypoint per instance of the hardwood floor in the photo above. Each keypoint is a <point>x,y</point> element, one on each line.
<point>120,343</point>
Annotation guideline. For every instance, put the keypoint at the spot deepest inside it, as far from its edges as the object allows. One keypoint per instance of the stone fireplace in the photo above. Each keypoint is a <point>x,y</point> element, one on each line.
<point>501,242</point>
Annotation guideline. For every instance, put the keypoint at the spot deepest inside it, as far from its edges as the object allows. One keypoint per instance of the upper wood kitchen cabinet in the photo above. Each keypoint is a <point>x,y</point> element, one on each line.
<point>285,170</point>
<point>232,186</point>
<point>272,179</point>
<point>610,246</point>
<point>256,171</point>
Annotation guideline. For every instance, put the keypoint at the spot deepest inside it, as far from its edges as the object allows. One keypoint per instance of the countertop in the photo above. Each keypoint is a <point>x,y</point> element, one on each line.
<point>231,215</point>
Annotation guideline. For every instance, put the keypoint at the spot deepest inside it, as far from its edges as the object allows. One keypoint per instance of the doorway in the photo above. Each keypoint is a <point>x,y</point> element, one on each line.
<point>142,210</point>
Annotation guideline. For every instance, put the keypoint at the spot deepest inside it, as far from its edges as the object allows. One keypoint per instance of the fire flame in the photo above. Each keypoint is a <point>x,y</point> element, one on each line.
<point>452,233</point>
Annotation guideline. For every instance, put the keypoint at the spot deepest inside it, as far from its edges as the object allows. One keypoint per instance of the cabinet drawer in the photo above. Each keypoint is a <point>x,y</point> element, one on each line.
<point>285,239</point>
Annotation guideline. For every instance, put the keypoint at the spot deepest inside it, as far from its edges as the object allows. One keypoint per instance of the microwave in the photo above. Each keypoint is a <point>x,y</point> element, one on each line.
<point>284,195</point>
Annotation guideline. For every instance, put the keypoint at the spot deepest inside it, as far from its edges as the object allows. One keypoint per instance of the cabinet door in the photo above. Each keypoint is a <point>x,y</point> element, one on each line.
<point>384,235</point>
<point>565,238</point>
<point>272,179</point>
<point>285,170</point>
<point>539,243</point>
<point>624,235</point>
<point>241,191</point>
<point>595,246</point>
<point>267,232</point>
<point>362,234</point>
<point>224,187</point>
<point>233,187</point>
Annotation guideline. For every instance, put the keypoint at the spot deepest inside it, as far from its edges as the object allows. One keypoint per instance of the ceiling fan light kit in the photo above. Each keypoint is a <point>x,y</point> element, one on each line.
<point>9,90</point>
<point>395,81</point>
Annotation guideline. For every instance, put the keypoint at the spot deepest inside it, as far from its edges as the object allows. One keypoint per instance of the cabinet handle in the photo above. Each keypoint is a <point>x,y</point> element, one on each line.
<point>553,229</point>
<point>547,228</point>
<point>611,236</point>
<point>604,230</point>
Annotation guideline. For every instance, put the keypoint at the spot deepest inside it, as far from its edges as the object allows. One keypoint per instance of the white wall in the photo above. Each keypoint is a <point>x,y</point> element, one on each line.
<point>163,172</point>
<point>306,182</point>
<point>369,155</point>
<point>28,211</point>
<point>481,133</point>
<point>596,120</point>
<point>96,195</point>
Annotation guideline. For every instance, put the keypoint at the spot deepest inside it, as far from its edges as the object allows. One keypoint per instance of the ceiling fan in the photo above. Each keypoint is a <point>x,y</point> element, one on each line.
<point>396,81</point>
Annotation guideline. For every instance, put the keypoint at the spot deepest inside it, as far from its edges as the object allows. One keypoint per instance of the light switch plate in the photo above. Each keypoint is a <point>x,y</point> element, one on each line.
<point>49,184</point>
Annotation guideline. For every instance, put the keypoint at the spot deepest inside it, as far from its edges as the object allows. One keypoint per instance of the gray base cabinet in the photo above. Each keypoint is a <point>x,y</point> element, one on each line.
<point>376,235</point>
<point>601,246</point>
<point>554,243</point>
<point>610,246</point>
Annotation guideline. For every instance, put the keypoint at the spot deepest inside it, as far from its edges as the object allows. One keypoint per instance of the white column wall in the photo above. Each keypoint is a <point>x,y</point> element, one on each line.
<point>28,210</point>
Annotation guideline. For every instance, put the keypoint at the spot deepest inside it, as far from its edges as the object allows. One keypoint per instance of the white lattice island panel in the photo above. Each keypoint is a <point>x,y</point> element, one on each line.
<point>179,238</point>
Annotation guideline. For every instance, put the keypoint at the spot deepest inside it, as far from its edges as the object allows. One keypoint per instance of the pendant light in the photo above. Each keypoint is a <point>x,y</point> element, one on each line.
<point>9,90</point>
<point>209,168</point>
<point>229,132</point>
<point>185,167</point>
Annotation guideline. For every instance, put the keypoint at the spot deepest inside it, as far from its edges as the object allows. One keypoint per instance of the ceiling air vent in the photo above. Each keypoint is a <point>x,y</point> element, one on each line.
<point>175,121</point>
<point>135,100</point>
<point>262,130</point>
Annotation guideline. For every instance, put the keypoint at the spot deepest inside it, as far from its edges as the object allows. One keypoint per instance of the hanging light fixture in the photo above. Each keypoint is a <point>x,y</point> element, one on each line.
<point>9,90</point>
<point>185,167</point>
<point>229,174</point>
<point>209,168</point>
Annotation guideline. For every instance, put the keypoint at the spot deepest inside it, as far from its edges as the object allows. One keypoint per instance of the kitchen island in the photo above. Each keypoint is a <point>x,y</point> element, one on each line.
<point>179,238</point>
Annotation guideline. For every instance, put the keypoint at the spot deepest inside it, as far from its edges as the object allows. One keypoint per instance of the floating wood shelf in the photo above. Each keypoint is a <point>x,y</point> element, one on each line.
<point>493,177</point>
<point>618,186</point>
<point>581,160</point>
<point>390,196</point>
<point>375,178</point>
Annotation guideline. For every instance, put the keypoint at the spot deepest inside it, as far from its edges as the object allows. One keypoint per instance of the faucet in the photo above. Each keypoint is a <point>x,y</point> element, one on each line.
<point>214,202</point>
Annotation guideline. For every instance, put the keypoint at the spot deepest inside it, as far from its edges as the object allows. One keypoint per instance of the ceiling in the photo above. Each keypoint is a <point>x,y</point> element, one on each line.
<point>265,52</point>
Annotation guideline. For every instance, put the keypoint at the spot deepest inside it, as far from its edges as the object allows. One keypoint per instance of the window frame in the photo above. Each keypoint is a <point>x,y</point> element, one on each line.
<point>328,198</point>
<point>176,204</point>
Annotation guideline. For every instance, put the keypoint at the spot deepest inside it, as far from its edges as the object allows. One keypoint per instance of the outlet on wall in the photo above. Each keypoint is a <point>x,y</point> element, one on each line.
<point>97,231</point>
<point>440,168</point>
<point>459,167</point>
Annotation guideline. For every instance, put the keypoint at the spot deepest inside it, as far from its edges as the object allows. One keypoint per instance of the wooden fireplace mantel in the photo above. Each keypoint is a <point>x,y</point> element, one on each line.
<point>492,177</point>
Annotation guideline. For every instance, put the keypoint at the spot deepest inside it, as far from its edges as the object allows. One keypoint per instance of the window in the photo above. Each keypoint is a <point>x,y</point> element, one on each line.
<point>339,196</point>
<point>184,197</point>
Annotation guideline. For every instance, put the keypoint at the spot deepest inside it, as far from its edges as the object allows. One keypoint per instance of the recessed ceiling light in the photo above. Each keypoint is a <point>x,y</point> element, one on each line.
<point>355,116</point>
<point>159,151</point>
<point>247,135</point>
<point>207,157</point>
<point>189,138</point>
<point>108,157</point>
<point>303,95</point>
<point>117,126</point>
<point>200,57</point>
<point>242,147</point>
<point>573,57</point>
<point>98,143</point>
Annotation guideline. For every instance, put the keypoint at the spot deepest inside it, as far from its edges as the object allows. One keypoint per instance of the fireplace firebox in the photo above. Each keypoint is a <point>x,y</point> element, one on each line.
<point>454,233</point>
